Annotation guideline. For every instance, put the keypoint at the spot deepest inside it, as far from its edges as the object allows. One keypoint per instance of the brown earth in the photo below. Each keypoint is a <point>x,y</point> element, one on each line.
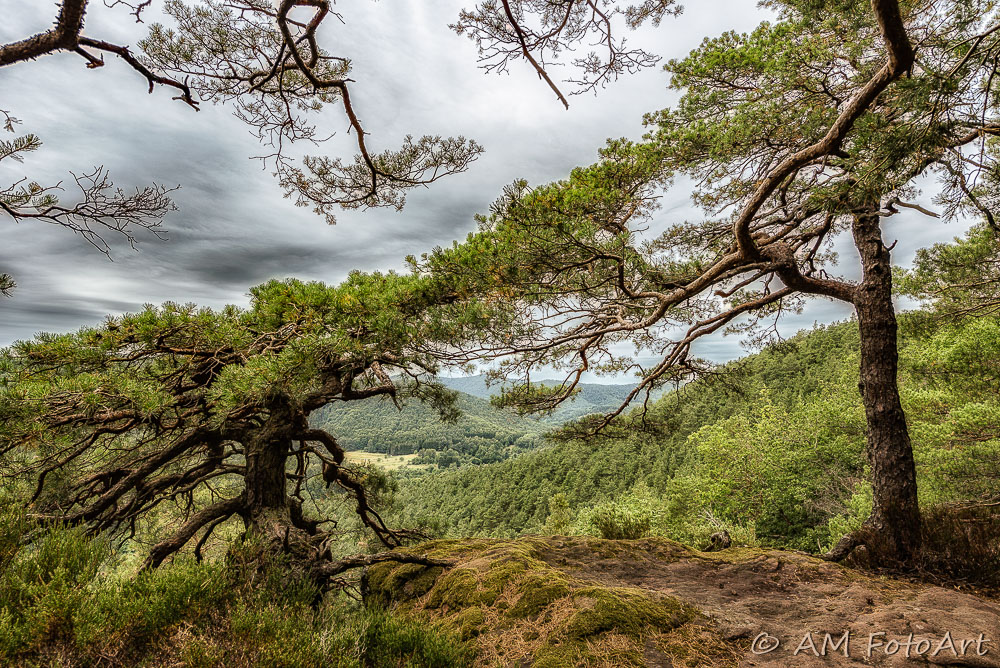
<point>800,599</point>
<point>565,601</point>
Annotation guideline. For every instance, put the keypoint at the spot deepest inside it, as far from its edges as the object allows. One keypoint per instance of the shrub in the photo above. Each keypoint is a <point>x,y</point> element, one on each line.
<point>43,586</point>
<point>631,516</point>
<point>560,519</point>
<point>62,603</point>
<point>770,473</point>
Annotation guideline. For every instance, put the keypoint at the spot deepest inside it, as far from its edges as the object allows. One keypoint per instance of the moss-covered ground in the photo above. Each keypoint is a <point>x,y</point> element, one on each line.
<point>520,604</point>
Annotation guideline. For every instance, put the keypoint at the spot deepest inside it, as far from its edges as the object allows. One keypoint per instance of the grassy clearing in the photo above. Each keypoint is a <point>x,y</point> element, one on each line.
<point>388,462</point>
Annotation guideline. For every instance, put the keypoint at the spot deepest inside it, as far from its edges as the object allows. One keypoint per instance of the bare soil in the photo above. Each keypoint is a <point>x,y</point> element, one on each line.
<point>797,600</point>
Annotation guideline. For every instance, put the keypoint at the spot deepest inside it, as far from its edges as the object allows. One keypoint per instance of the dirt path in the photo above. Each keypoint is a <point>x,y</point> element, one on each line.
<point>798,601</point>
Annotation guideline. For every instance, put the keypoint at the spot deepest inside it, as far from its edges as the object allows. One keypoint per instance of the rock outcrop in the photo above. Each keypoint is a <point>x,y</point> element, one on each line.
<point>567,601</point>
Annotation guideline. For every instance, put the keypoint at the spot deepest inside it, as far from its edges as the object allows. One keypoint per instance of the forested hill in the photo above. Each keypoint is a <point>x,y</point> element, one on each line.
<point>511,497</point>
<point>771,449</point>
<point>591,398</point>
<point>481,435</point>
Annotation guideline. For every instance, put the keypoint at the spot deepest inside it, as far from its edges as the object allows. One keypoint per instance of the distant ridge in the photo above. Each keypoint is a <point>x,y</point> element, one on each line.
<point>483,434</point>
<point>592,398</point>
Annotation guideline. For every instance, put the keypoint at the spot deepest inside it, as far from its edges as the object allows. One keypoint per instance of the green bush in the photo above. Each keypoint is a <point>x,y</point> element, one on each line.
<point>44,585</point>
<point>560,519</point>
<point>133,610</point>
<point>62,601</point>
<point>770,474</point>
<point>631,516</point>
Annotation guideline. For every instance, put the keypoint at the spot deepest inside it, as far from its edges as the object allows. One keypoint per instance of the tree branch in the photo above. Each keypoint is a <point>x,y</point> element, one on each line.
<point>216,511</point>
<point>335,568</point>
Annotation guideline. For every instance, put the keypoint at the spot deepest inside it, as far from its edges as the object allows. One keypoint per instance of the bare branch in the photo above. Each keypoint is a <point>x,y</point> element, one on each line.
<point>101,207</point>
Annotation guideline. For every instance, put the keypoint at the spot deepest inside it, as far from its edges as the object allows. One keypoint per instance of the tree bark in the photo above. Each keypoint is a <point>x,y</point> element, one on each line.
<point>65,35</point>
<point>266,510</point>
<point>893,530</point>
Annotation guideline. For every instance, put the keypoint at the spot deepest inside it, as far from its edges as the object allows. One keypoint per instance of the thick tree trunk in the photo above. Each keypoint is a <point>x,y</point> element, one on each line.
<point>893,530</point>
<point>269,513</point>
<point>265,483</point>
<point>266,510</point>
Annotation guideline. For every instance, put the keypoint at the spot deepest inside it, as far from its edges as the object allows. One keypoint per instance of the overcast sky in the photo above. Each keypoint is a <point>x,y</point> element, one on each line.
<point>234,229</point>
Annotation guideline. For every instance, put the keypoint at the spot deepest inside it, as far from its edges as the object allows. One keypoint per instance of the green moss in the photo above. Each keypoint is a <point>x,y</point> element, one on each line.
<point>625,611</point>
<point>559,656</point>
<point>507,569</point>
<point>404,573</point>
<point>199,653</point>
<point>537,592</point>
<point>469,622</point>
<point>378,578</point>
<point>424,581</point>
<point>453,548</point>
<point>389,582</point>
<point>458,588</point>
<point>608,549</point>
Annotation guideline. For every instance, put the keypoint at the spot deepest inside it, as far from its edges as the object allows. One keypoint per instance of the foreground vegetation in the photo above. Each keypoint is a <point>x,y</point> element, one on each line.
<point>70,601</point>
<point>547,602</point>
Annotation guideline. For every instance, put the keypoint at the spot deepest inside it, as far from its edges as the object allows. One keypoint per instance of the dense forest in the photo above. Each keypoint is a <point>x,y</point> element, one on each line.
<point>515,496</point>
<point>771,449</point>
<point>480,435</point>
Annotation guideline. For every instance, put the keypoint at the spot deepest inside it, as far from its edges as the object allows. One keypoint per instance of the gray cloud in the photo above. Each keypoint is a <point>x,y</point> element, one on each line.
<point>234,229</point>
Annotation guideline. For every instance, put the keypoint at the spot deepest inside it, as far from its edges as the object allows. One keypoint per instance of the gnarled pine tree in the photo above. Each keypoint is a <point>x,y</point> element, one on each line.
<point>813,126</point>
<point>208,411</point>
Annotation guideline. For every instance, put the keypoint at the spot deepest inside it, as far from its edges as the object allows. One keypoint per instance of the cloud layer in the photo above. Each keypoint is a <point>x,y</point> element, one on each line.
<point>234,229</point>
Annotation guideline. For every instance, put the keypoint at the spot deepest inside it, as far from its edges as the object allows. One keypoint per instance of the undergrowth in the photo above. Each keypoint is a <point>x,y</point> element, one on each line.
<point>64,602</point>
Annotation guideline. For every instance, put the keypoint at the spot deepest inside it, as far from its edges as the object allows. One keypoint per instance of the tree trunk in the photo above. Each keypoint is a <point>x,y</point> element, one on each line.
<point>269,513</point>
<point>266,509</point>
<point>893,530</point>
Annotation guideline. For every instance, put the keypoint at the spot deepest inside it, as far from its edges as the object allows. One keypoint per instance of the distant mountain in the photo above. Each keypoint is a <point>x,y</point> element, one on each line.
<point>592,398</point>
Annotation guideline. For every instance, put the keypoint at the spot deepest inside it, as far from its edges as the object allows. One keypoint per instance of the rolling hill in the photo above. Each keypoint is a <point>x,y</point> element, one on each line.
<point>592,397</point>
<point>483,434</point>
